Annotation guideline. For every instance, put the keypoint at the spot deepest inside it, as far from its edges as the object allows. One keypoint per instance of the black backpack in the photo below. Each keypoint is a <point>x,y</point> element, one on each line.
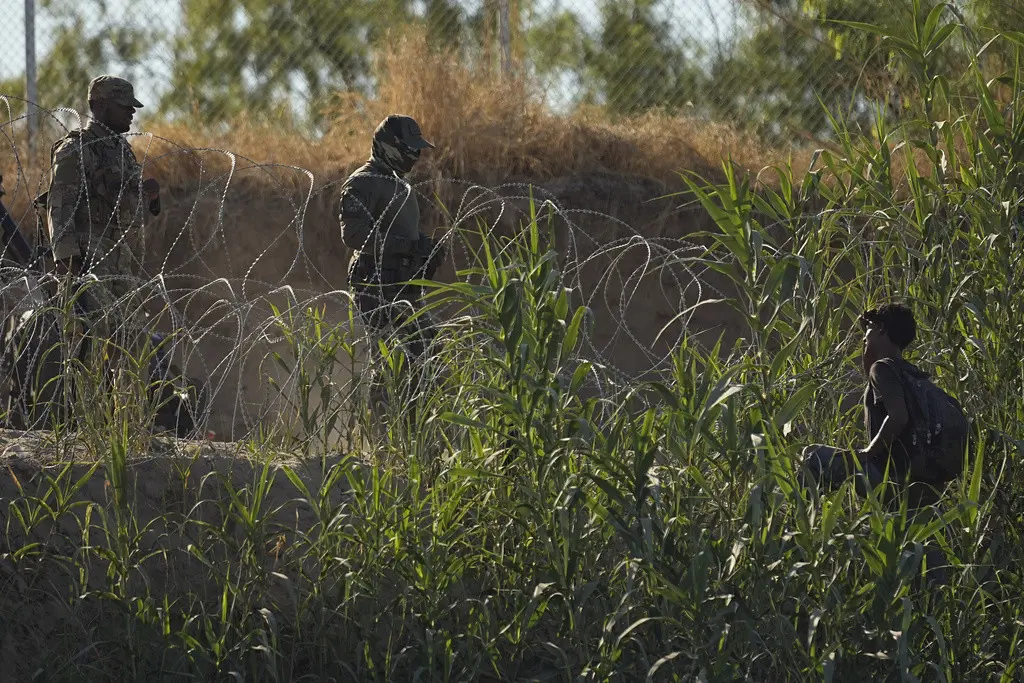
<point>939,427</point>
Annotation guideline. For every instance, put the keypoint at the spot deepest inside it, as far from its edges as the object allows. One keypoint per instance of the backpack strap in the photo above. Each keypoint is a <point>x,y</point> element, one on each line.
<point>898,366</point>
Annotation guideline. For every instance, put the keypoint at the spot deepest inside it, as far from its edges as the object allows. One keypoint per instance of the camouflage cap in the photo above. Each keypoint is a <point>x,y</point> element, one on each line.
<point>113,88</point>
<point>404,129</point>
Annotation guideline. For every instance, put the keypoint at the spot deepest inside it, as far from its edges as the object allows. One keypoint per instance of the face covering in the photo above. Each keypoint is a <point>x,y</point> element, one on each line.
<point>398,157</point>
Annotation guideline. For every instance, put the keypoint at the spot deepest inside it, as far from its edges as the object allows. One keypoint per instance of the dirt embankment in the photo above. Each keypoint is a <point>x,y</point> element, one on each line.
<point>225,256</point>
<point>250,214</point>
<point>59,502</point>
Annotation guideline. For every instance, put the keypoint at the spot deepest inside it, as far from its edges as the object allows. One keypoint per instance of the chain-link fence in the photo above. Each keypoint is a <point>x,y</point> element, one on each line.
<point>766,64</point>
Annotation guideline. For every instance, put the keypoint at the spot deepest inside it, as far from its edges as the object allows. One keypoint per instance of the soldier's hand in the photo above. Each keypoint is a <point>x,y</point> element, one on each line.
<point>424,244</point>
<point>151,189</point>
<point>436,259</point>
<point>71,265</point>
<point>441,245</point>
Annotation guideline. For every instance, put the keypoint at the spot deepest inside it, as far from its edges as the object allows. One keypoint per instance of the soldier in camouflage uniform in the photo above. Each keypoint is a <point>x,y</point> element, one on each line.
<point>95,201</point>
<point>380,218</point>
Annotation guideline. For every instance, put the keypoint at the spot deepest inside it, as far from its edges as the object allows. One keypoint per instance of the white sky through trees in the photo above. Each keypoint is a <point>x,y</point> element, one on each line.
<point>708,21</point>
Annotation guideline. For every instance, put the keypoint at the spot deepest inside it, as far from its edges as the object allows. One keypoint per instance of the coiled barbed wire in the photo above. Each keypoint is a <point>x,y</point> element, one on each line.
<point>612,274</point>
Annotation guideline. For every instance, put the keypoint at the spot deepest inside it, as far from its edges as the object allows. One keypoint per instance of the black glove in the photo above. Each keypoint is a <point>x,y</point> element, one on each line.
<point>424,246</point>
<point>435,261</point>
<point>432,254</point>
<point>436,258</point>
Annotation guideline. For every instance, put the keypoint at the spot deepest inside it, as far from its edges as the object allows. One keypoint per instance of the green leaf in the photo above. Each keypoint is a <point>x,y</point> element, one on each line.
<point>932,21</point>
<point>1015,37</point>
<point>721,394</point>
<point>785,352</point>
<point>974,494</point>
<point>579,375</point>
<point>670,396</point>
<point>572,332</point>
<point>298,483</point>
<point>941,37</point>
<point>463,420</point>
<point>794,405</point>
<point>863,26</point>
<point>993,117</point>
<point>829,518</point>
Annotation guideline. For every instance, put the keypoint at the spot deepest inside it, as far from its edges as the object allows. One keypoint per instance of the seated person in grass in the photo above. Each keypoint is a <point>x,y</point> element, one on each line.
<point>915,430</point>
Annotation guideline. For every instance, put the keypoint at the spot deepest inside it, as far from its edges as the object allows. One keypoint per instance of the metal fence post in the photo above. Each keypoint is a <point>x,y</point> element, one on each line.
<point>30,73</point>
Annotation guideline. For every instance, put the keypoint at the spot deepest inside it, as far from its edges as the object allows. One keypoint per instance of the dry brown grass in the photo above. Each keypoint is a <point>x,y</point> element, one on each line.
<point>486,130</point>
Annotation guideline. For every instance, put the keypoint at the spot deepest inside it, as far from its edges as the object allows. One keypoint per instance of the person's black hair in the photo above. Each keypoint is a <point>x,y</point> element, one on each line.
<point>896,320</point>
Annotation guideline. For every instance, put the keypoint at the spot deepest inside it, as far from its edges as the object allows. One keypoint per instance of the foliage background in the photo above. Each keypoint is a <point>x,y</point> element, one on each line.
<point>541,517</point>
<point>762,64</point>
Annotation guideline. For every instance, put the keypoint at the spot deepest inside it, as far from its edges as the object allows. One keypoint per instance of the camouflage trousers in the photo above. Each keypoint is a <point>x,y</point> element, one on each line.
<point>106,303</point>
<point>74,327</point>
<point>829,467</point>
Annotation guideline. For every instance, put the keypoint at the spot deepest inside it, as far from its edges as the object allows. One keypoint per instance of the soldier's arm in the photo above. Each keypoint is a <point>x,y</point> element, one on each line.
<point>150,187</point>
<point>433,253</point>
<point>356,217</point>
<point>151,190</point>
<point>67,189</point>
<point>133,191</point>
<point>138,193</point>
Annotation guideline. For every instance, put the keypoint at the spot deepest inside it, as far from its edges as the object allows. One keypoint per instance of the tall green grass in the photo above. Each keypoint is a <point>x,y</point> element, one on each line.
<point>539,519</point>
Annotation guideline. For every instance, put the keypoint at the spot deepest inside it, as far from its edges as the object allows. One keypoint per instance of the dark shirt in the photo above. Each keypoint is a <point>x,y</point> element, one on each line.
<point>379,212</point>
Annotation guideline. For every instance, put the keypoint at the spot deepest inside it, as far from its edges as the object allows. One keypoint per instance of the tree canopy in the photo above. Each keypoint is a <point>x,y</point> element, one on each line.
<point>786,60</point>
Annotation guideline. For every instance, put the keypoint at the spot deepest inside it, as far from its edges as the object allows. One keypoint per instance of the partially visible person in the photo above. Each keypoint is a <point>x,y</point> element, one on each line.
<point>94,202</point>
<point>915,431</point>
<point>380,223</point>
<point>96,198</point>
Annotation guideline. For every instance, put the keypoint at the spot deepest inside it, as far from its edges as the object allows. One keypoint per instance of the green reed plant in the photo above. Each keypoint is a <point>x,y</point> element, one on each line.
<point>537,518</point>
<point>316,350</point>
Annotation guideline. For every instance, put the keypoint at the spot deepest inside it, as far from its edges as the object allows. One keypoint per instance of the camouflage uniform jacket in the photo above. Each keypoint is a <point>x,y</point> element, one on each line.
<point>380,222</point>
<point>95,192</point>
